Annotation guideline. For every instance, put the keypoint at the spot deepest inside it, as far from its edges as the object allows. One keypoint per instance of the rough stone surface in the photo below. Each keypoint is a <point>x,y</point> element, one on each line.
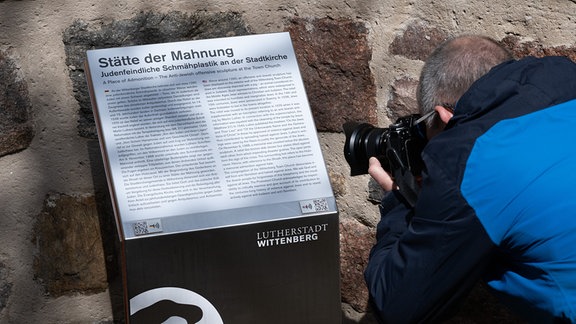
<point>417,41</point>
<point>520,49</point>
<point>145,28</point>
<point>5,286</point>
<point>355,243</point>
<point>375,192</point>
<point>403,98</point>
<point>338,182</point>
<point>16,131</point>
<point>334,58</point>
<point>71,255</point>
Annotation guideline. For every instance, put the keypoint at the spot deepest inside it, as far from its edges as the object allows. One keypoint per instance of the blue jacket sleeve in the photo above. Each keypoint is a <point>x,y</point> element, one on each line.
<point>425,259</point>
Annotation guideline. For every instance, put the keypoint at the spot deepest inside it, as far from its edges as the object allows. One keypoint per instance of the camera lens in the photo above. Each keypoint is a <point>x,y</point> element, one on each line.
<point>362,142</point>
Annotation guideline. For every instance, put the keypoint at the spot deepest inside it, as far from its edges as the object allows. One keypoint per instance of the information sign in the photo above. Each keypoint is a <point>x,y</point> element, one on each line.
<point>220,191</point>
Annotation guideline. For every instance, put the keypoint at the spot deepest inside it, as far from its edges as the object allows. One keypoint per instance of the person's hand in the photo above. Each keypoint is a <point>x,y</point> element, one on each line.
<point>380,175</point>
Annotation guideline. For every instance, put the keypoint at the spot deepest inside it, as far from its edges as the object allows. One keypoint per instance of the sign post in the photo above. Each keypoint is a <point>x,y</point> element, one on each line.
<point>220,191</point>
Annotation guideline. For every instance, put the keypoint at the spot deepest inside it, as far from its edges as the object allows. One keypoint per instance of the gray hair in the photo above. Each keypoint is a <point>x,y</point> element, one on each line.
<point>453,67</point>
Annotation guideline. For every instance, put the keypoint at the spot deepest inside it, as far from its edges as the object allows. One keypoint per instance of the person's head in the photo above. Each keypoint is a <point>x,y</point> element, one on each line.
<point>450,70</point>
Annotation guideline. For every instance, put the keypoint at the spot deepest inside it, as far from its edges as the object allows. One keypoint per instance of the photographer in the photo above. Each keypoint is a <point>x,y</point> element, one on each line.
<point>496,200</point>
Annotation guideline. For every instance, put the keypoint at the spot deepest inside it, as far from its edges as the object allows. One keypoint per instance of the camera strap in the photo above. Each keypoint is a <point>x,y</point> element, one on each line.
<point>407,185</point>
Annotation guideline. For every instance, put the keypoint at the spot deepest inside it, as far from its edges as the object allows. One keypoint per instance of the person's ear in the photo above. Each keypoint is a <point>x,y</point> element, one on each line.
<point>444,113</point>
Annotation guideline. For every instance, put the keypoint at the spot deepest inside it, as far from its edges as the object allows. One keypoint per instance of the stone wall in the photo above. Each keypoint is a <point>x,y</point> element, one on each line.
<point>360,60</point>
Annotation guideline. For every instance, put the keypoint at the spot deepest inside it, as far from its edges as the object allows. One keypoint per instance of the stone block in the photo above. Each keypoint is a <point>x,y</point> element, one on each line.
<point>403,100</point>
<point>356,240</point>
<point>533,48</point>
<point>70,254</point>
<point>338,182</point>
<point>334,58</point>
<point>16,131</point>
<point>417,41</point>
<point>145,28</point>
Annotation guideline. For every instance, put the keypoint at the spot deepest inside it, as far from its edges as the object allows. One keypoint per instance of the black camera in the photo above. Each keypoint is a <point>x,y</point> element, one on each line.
<point>398,148</point>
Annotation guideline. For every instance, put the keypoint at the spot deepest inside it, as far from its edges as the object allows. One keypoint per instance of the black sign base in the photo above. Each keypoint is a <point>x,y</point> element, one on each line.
<point>275,272</point>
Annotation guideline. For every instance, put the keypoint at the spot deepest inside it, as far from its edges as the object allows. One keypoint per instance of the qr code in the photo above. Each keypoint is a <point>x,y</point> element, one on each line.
<point>320,204</point>
<point>141,228</point>
<point>148,227</point>
<point>314,205</point>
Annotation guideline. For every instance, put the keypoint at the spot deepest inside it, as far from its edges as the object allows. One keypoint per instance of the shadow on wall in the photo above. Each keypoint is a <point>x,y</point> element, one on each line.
<point>109,232</point>
<point>145,28</point>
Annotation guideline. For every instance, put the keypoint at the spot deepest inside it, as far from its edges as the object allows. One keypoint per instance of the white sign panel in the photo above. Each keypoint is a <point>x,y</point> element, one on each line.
<point>210,132</point>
